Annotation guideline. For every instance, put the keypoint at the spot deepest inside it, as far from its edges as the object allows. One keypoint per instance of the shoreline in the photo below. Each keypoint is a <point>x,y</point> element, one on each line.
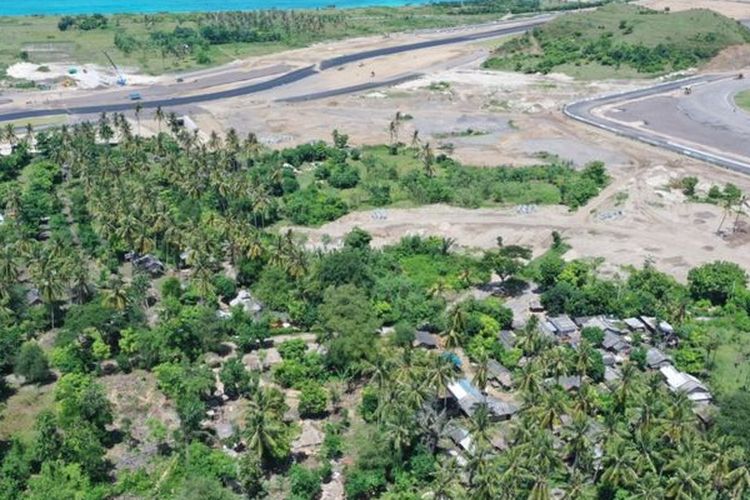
<point>198,8</point>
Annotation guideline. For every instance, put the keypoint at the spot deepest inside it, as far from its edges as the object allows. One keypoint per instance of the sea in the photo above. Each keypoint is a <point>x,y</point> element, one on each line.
<point>56,7</point>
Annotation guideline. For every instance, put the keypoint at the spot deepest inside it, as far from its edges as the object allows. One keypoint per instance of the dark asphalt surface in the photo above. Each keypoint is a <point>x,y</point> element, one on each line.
<point>582,111</point>
<point>353,88</point>
<point>285,79</point>
<point>349,58</point>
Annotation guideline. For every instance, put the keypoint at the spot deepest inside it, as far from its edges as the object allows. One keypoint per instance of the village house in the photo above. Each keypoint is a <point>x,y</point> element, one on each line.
<point>147,263</point>
<point>563,326</point>
<point>507,339</point>
<point>635,325</point>
<point>678,381</point>
<point>655,359</point>
<point>469,397</point>
<point>615,343</point>
<point>499,375</point>
<point>425,339</point>
<point>247,302</point>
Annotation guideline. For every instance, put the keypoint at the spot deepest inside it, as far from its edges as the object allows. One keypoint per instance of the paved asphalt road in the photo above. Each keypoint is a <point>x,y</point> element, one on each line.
<point>696,120</point>
<point>286,78</point>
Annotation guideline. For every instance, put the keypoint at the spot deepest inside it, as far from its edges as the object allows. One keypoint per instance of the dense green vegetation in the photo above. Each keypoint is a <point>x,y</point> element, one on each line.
<point>621,40</point>
<point>162,42</point>
<point>75,209</point>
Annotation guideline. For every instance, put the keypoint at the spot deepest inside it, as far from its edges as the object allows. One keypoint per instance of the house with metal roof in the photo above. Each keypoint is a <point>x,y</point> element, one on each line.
<point>469,397</point>
<point>507,339</point>
<point>655,359</point>
<point>33,297</point>
<point>634,324</point>
<point>678,381</point>
<point>615,343</point>
<point>425,339</point>
<point>462,438</point>
<point>563,325</point>
<point>500,374</point>
<point>148,263</point>
<point>611,374</point>
<point>567,382</point>
<point>608,358</point>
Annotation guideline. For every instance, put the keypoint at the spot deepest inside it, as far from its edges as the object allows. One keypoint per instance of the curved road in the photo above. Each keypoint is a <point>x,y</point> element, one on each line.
<point>285,79</point>
<point>706,117</point>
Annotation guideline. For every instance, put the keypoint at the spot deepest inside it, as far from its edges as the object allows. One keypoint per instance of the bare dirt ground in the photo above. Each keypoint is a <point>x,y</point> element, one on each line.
<point>737,10</point>
<point>637,218</point>
<point>87,76</point>
<point>136,398</point>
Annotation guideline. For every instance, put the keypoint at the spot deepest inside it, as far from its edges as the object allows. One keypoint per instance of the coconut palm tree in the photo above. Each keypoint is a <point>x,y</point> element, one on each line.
<point>428,160</point>
<point>160,116</point>
<point>10,135</point>
<point>399,429</point>
<point>578,444</point>
<point>457,322</point>
<point>679,420</point>
<point>687,478</point>
<point>627,388</point>
<point>481,374</point>
<point>446,485</point>
<point>439,375</point>
<point>738,481</point>
<point>530,379</point>
<point>266,435</point>
<point>116,294</point>
<point>9,270</point>
<point>81,289</point>
<point>479,423</point>
<point>553,405</point>
<point>138,109</point>
<point>619,465</point>
<point>29,137</point>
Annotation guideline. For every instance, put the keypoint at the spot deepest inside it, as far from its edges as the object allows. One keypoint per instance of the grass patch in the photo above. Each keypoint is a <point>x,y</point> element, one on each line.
<point>731,370</point>
<point>742,99</point>
<point>150,42</point>
<point>532,269</point>
<point>469,132</point>
<point>22,408</point>
<point>622,41</point>
<point>452,271</point>
<point>440,86</point>
<point>41,121</point>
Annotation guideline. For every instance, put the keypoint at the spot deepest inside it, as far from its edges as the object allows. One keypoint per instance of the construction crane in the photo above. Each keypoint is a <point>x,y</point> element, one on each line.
<point>120,78</point>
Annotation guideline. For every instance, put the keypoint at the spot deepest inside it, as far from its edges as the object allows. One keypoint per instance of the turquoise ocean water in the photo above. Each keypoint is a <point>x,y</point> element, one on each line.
<point>25,7</point>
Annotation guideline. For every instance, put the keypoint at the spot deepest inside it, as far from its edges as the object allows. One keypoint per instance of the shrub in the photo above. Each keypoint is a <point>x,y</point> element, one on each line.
<point>236,379</point>
<point>313,400</point>
<point>369,406</point>
<point>593,334</point>
<point>293,349</point>
<point>171,287</point>
<point>305,483</point>
<point>31,362</point>
<point>225,287</point>
<point>311,207</point>
<point>343,176</point>
<point>716,281</point>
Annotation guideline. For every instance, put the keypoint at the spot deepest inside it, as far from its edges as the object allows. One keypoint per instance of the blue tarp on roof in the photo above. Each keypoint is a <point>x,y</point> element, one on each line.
<point>453,358</point>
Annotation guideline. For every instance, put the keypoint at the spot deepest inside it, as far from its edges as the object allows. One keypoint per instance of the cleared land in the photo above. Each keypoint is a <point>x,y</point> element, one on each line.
<point>621,41</point>
<point>737,9</point>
